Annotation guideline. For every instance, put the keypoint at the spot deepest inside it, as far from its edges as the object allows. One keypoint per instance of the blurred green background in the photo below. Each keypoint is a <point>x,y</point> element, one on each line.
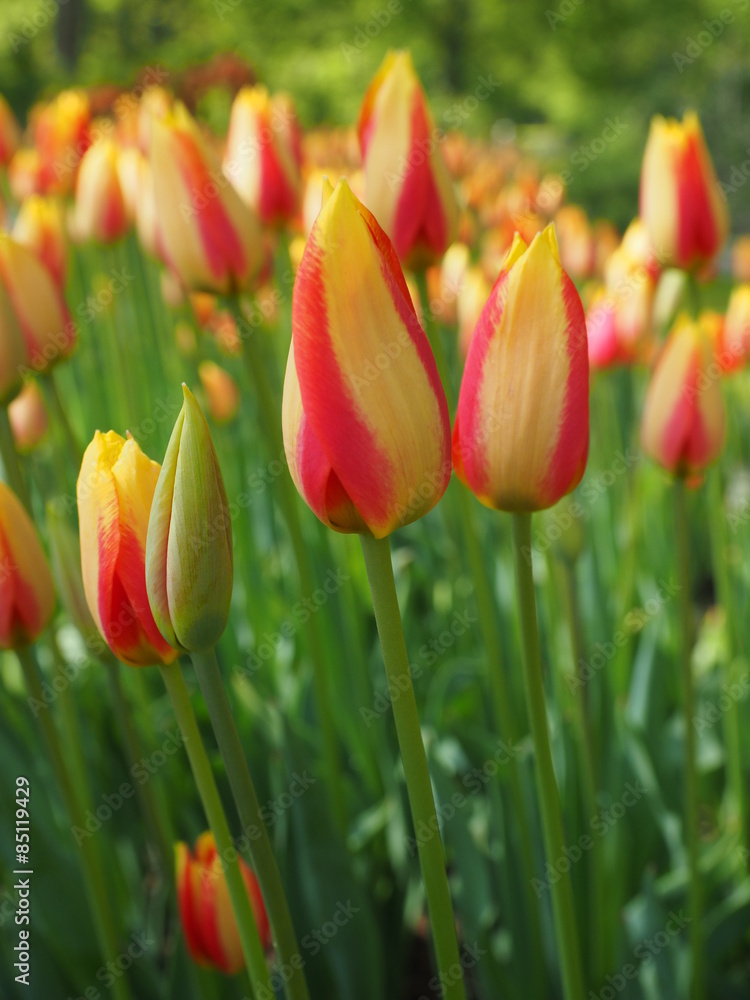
<point>563,67</point>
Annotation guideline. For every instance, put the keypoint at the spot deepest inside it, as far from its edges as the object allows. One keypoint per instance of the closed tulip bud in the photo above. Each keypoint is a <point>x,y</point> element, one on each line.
<point>741,259</point>
<point>100,212</point>
<point>39,305</point>
<point>206,914</point>
<point>364,415</point>
<point>40,225</point>
<point>734,349</point>
<point>10,133</point>
<point>27,594</point>
<point>222,394</point>
<point>408,186</point>
<point>471,299</point>
<point>681,203</point>
<point>25,173</point>
<point>207,234</point>
<point>684,425</point>
<point>28,418</point>
<point>577,246</point>
<point>189,548</point>
<point>521,436</point>
<point>65,559</point>
<point>62,135</point>
<point>261,157</point>
<point>115,491</point>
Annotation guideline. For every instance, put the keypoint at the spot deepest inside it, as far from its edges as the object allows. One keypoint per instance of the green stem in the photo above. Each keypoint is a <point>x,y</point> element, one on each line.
<point>682,539</point>
<point>252,947</point>
<point>75,803</point>
<point>586,759</point>
<point>12,466</point>
<point>270,414</point>
<point>377,553</point>
<point>52,392</point>
<point>251,817</point>
<point>563,908</point>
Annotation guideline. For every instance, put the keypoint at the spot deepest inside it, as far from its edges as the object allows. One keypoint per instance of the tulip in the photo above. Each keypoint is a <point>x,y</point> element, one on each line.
<point>734,348</point>
<point>28,418</point>
<point>27,593</point>
<point>222,394</point>
<point>189,546</point>
<point>364,416</point>
<point>408,186</point>
<point>40,225</point>
<point>62,134</point>
<point>115,491</point>
<point>741,259</point>
<point>10,133</point>
<point>100,211</point>
<point>681,203</point>
<point>577,246</point>
<point>471,299</point>
<point>208,922</point>
<point>13,356</point>
<point>521,436</point>
<point>137,183</point>
<point>262,155</point>
<point>41,310</point>
<point>25,173</point>
<point>683,425</point>
<point>207,234</point>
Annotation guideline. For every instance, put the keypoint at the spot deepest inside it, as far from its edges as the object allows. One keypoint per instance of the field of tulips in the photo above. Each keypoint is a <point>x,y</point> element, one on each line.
<point>374,561</point>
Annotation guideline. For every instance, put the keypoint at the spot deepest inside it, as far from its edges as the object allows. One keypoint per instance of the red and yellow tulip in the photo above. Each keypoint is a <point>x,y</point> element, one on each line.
<point>734,348</point>
<point>208,236</point>
<point>681,203</point>
<point>39,305</point>
<point>684,425</point>
<point>28,417</point>
<point>115,490</point>
<point>40,225</point>
<point>100,211</point>
<point>521,436</point>
<point>27,594</point>
<point>208,921</point>
<point>263,157</point>
<point>364,415</point>
<point>10,133</point>
<point>408,187</point>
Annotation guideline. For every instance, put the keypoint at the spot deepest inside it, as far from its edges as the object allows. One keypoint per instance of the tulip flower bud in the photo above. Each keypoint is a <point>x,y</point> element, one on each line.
<point>65,559</point>
<point>684,424</point>
<point>471,299</point>
<point>10,133</point>
<point>28,418</point>
<point>261,157</point>
<point>577,247</point>
<point>521,436</point>
<point>681,203</point>
<point>207,234</point>
<point>408,186</point>
<point>206,914</point>
<point>115,490</point>
<point>27,593</point>
<point>734,348</point>
<point>40,226</point>
<point>61,135</point>
<point>189,547</point>
<point>100,212</point>
<point>222,394</point>
<point>364,415</point>
<point>38,303</point>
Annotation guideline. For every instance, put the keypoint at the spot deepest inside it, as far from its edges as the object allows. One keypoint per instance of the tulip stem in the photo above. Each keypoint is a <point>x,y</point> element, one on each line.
<point>75,806</point>
<point>252,947</point>
<point>563,908</point>
<point>377,553</point>
<point>251,817</point>
<point>682,539</point>
<point>270,415</point>
<point>12,466</point>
